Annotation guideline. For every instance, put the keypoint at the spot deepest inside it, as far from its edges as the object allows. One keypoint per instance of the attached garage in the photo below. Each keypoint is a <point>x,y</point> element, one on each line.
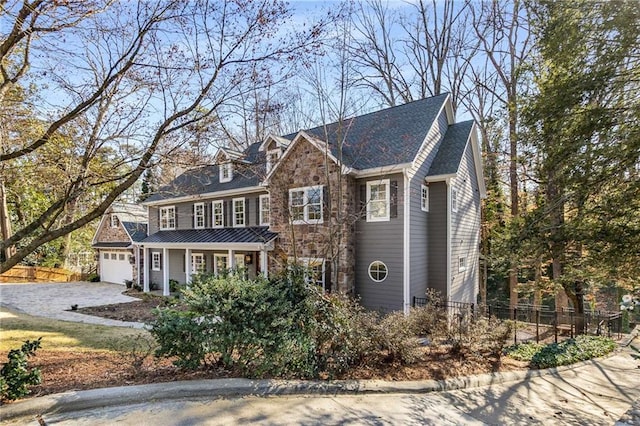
<point>115,266</point>
<point>116,241</point>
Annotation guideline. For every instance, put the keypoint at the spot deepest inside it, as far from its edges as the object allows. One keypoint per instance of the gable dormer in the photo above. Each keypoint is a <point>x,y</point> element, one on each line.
<point>273,147</point>
<point>225,159</point>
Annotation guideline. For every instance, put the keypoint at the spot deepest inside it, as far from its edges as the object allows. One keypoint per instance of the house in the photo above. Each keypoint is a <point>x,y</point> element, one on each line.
<point>117,241</point>
<point>382,206</point>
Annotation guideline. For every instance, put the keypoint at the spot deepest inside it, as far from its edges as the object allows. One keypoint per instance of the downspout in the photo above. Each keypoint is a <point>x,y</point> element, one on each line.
<point>406,247</point>
<point>449,277</point>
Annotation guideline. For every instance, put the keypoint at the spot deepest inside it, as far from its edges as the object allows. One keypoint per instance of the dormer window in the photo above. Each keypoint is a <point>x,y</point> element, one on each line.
<point>226,172</point>
<point>114,221</point>
<point>272,158</point>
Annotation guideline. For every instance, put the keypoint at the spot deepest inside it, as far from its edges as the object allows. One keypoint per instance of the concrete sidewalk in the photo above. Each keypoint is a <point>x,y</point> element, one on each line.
<point>55,299</point>
<point>592,392</point>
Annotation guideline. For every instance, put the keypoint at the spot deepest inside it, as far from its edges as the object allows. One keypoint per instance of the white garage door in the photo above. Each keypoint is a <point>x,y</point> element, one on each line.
<point>115,267</point>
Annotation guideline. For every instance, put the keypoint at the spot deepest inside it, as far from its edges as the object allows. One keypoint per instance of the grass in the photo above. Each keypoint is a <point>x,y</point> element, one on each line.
<point>63,335</point>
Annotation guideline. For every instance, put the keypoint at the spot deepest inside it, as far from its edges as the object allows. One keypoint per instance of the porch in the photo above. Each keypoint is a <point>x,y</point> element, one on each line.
<point>178,255</point>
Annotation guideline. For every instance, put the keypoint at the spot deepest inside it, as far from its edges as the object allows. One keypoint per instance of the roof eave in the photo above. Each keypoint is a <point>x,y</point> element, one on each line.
<point>384,170</point>
<point>186,198</point>
<point>440,178</point>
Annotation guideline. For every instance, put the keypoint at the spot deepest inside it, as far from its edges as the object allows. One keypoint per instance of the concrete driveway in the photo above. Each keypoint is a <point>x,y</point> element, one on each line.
<point>54,300</point>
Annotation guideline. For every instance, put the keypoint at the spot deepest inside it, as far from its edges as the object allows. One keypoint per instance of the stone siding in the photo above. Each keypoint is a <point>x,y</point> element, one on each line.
<point>107,234</point>
<point>334,238</point>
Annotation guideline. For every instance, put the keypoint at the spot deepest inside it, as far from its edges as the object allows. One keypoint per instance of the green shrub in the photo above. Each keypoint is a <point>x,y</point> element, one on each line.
<point>256,327</point>
<point>573,350</point>
<point>181,335</point>
<point>15,375</point>
<point>524,351</point>
<point>564,353</point>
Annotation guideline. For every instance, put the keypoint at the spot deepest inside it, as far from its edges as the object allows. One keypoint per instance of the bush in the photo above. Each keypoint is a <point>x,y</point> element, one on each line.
<point>524,351</point>
<point>15,376</point>
<point>573,350</point>
<point>256,327</point>
<point>568,352</point>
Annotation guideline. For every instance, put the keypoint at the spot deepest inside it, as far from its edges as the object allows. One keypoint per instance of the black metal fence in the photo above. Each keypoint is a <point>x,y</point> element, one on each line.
<point>536,322</point>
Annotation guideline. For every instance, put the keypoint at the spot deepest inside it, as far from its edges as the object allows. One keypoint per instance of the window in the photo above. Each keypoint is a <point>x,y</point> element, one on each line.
<point>424,199</point>
<point>378,200</point>
<point>462,264</point>
<point>378,271</point>
<point>121,256</point>
<point>454,200</point>
<point>238,212</point>
<point>155,261</point>
<point>167,218</point>
<point>220,263</point>
<point>217,208</point>
<point>264,209</point>
<point>197,263</point>
<point>226,172</point>
<point>238,260</point>
<point>272,158</point>
<point>114,256</point>
<point>105,256</point>
<point>198,215</point>
<point>305,204</point>
<point>114,221</point>
<point>314,270</point>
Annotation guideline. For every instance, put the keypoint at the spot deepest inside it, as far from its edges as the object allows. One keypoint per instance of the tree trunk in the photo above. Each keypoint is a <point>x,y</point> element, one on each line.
<point>5,223</point>
<point>513,186</point>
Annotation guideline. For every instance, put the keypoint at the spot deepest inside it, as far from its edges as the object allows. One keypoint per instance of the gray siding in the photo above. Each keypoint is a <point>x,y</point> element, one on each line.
<point>465,231</point>
<point>437,230</point>
<point>184,212</point>
<point>418,224</point>
<point>381,241</point>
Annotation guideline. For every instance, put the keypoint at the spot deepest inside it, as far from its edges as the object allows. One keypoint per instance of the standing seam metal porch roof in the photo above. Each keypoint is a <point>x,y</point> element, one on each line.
<point>255,234</point>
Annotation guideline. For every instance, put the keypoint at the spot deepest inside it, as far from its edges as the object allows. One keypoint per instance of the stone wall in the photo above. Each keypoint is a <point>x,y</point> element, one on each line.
<point>107,234</point>
<point>334,238</point>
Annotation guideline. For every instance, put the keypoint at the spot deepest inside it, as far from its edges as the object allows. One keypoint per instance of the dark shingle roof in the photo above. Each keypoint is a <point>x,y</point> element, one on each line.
<point>382,138</point>
<point>207,179</point>
<point>137,231</point>
<point>256,234</point>
<point>451,150</point>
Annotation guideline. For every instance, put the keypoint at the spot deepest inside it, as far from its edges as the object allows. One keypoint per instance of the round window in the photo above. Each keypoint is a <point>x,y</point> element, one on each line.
<point>377,271</point>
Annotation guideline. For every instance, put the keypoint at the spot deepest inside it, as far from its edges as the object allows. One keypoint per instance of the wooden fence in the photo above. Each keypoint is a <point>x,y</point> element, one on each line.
<point>22,274</point>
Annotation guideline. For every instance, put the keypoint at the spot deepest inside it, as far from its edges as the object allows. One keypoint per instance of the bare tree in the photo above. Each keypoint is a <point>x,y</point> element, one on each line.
<point>502,30</point>
<point>439,48</point>
<point>127,82</point>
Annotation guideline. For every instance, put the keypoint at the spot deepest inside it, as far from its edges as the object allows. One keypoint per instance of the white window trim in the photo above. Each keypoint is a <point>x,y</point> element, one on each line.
<point>270,152</point>
<point>114,223</point>
<point>167,209</point>
<point>454,200</point>
<point>305,204</point>
<point>201,216</point>
<point>194,256</point>
<point>371,276</point>
<point>262,198</point>
<point>244,213</point>
<point>213,214</point>
<point>228,167</point>
<point>424,198</point>
<point>217,256</point>
<point>462,264</point>
<point>155,258</point>
<point>387,183</point>
<point>307,262</point>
